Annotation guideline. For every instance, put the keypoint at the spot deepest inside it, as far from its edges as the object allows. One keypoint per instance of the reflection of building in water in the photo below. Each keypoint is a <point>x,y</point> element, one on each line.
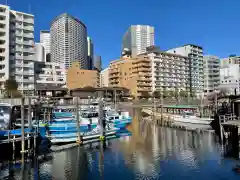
<point>72,164</point>
<point>58,167</point>
<point>158,142</point>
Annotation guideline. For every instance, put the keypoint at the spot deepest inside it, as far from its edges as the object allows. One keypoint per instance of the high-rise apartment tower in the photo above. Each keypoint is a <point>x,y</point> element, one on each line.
<point>45,40</point>
<point>137,38</point>
<point>69,41</point>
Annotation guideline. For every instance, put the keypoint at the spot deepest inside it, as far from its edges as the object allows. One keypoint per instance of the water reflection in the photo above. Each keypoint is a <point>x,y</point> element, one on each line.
<point>152,152</point>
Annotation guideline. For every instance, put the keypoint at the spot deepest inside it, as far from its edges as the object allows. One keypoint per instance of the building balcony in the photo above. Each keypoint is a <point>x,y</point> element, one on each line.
<point>18,49</point>
<point>2,29</point>
<point>28,28</point>
<point>19,57</point>
<point>18,41</point>
<point>28,43</point>
<point>29,50</point>
<point>3,71</point>
<point>24,65</point>
<point>28,20</point>
<point>146,89</point>
<point>29,58</point>
<point>3,21</point>
<point>26,73</point>
<point>144,79</point>
<point>28,35</point>
<point>19,34</point>
<point>21,80</point>
<point>144,85</point>
<point>141,70</point>
<point>3,54</point>
<point>19,26</point>
<point>3,14</point>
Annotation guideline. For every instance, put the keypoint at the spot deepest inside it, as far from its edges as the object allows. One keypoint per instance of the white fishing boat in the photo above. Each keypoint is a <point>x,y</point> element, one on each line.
<point>190,117</point>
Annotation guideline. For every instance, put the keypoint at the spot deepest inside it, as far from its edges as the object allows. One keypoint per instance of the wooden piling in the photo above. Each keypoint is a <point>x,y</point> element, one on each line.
<point>78,122</point>
<point>13,147</point>
<point>161,105</point>
<point>22,126</point>
<point>29,119</point>
<point>101,116</point>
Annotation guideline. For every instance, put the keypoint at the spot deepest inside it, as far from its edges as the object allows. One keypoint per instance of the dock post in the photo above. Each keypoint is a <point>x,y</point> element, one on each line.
<point>115,98</point>
<point>101,157</point>
<point>44,115</point>
<point>101,117</point>
<point>161,105</point>
<point>29,119</point>
<point>22,125</point>
<point>14,147</point>
<point>78,123</point>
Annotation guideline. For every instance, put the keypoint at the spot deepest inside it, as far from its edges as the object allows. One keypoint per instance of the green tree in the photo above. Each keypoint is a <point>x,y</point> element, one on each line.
<point>171,93</point>
<point>165,93</point>
<point>11,87</point>
<point>156,94</point>
<point>183,93</point>
<point>176,93</point>
<point>145,94</point>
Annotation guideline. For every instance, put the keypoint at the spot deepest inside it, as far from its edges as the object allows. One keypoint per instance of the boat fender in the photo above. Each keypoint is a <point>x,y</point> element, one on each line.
<point>101,138</point>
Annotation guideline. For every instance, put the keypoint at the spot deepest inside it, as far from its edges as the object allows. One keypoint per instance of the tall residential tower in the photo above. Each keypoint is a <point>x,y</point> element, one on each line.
<point>211,65</point>
<point>195,55</point>
<point>17,53</point>
<point>137,38</point>
<point>45,40</point>
<point>69,41</point>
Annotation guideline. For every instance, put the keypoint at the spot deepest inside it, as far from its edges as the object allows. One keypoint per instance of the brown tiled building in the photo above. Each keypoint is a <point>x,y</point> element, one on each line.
<point>79,78</point>
<point>134,74</point>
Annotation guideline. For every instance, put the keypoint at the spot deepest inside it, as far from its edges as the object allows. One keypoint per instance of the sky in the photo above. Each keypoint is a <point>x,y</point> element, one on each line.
<point>212,24</point>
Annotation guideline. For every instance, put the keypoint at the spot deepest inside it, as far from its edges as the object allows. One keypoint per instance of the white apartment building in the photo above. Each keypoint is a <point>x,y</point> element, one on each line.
<point>137,38</point>
<point>50,73</point>
<point>17,53</point>
<point>68,41</point>
<point>195,55</point>
<point>4,45</point>
<point>211,66</point>
<point>39,52</point>
<point>45,40</point>
<point>169,71</point>
<point>104,77</point>
<point>230,78</point>
<point>24,50</point>
<point>229,60</point>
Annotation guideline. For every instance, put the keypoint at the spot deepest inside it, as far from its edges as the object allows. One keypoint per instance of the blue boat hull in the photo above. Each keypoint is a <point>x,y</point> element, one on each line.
<point>66,129</point>
<point>123,123</point>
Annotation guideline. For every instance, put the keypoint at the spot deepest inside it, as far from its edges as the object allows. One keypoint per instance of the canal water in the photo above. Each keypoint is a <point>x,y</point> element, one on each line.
<point>150,152</point>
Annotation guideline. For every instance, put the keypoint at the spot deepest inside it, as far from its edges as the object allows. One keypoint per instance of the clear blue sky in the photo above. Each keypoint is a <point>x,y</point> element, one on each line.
<point>213,24</point>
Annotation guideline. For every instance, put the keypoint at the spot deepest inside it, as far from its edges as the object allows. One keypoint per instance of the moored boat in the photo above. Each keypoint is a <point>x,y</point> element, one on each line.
<point>9,132</point>
<point>189,117</point>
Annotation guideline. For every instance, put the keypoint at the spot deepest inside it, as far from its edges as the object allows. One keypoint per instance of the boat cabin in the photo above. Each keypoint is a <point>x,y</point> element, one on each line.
<point>87,114</point>
<point>10,115</point>
<point>187,114</point>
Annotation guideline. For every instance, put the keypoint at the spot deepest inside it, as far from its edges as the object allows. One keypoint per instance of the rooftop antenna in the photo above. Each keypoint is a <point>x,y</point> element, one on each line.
<point>6,2</point>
